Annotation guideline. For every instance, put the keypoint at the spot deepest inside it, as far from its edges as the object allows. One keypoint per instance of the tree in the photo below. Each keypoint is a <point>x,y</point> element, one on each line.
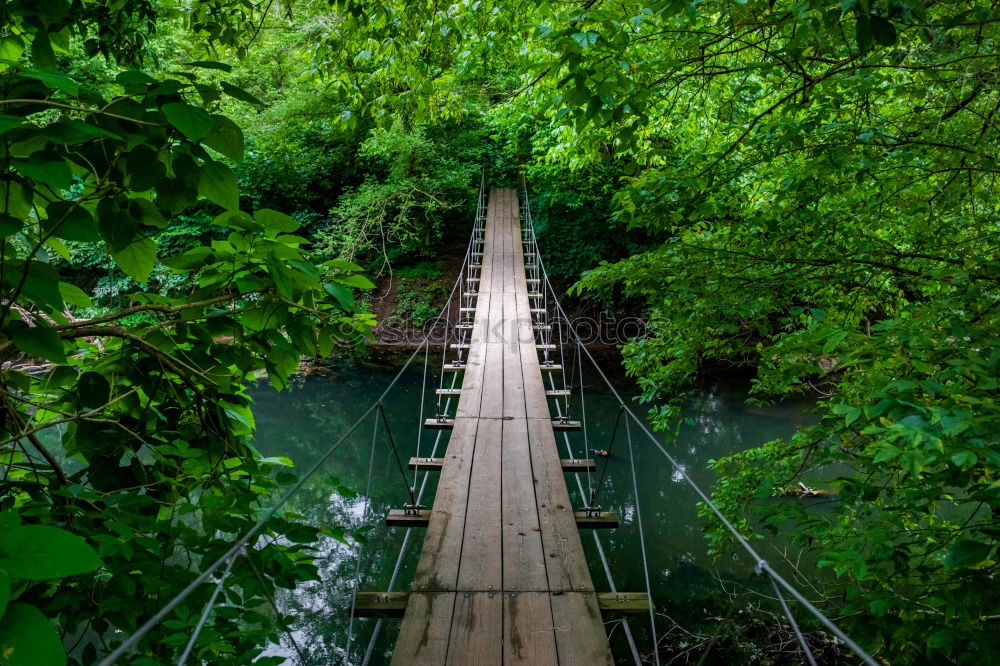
<point>125,435</point>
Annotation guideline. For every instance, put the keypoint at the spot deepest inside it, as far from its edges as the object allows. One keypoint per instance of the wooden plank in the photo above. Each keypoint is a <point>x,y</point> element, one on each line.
<point>598,521</point>
<point>476,638</point>
<point>579,629</point>
<point>569,465</point>
<point>623,604</point>
<point>480,565</point>
<point>422,518</point>
<point>566,565</point>
<point>528,632</point>
<point>424,635</point>
<point>392,605</point>
<point>380,604</point>
<point>523,558</point>
<point>404,518</point>
<point>437,568</point>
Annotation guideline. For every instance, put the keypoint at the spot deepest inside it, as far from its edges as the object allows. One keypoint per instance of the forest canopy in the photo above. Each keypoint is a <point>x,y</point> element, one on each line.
<point>191,191</point>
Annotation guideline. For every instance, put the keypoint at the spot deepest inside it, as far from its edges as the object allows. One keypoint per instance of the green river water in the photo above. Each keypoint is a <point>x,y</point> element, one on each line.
<point>302,422</point>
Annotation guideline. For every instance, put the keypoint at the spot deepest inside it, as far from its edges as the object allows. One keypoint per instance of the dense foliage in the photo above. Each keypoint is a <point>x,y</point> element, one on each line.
<point>818,179</point>
<point>804,188</point>
<point>126,426</point>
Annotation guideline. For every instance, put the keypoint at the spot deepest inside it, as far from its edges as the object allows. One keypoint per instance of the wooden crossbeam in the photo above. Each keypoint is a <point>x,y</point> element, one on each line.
<point>569,465</point>
<point>422,517</point>
<point>557,425</point>
<point>392,605</point>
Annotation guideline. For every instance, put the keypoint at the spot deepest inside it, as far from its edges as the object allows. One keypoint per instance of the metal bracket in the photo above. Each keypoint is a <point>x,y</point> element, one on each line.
<point>412,509</point>
<point>592,511</point>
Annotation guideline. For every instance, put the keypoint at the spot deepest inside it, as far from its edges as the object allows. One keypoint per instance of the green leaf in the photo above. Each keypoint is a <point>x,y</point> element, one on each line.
<point>41,51</point>
<point>966,554</point>
<point>93,389</point>
<point>73,220</point>
<point>27,638</point>
<point>359,281</point>
<point>343,295</point>
<point>192,122</point>
<point>218,185</point>
<point>9,225</point>
<point>210,64</point>
<point>43,552</point>
<point>586,39</point>
<point>8,123</point>
<point>41,342</point>
<point>54,81</point>
<point>283,277</point>
<point>137,259</point>
<point>4,591</point>
<point>227,138</point>
<point>48,168</point>
<point>272,219</point>
<point>11,48</point>
<point>883,31</point>
<point>240,94</point>
<point>964,459</point>
<point>73,132</point>
<point>73,295</point>
<point>863,33</point>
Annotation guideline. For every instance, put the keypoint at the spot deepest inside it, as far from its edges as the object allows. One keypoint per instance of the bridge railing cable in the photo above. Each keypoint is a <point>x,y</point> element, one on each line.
<point>761,566</point>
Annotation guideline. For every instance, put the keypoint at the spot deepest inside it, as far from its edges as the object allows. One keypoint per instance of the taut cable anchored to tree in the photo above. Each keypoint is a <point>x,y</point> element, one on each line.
<point>761,565</point>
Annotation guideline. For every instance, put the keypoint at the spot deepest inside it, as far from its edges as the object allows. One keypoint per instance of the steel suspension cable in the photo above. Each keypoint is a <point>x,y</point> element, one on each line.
<point>360,547</point>
<point>274,605</point>
<point>209,605</point>
<point>642,543</point>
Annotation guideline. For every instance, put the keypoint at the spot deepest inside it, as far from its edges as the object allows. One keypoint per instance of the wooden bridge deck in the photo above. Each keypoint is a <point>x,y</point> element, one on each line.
<point>502,576</point>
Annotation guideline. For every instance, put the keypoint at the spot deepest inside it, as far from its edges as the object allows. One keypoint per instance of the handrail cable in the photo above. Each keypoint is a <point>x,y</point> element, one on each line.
<point>642,543</point>
<point>760,563</point>
<point>607,458</point>
<point>360,546</point>
<point>395,454</point>
<point>274,606</point>
<point>209,605</point>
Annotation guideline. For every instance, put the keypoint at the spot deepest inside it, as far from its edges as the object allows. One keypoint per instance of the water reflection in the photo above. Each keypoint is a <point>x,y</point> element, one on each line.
<point>303,422</point>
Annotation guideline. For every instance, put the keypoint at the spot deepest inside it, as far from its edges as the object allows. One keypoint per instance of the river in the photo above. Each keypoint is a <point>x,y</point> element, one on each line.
<point>302,422</point>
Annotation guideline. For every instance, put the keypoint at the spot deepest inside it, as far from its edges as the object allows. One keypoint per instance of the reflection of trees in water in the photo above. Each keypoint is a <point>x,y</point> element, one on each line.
<point>301,424</point>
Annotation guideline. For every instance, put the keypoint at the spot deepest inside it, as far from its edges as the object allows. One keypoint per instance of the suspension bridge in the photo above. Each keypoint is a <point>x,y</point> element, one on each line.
<point>501,576</point>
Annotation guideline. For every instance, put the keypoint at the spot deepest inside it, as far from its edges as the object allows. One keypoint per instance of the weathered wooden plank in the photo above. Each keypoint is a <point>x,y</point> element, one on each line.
<point>423,637</point>
<point>437,568</point>
<point>621,604</point>
<point>380,604</point>
<point>598,521</point>
<point>480,565</point>
<point>422,518</point>
<point>579,629</point>
<point>567,568</point>
<point>476,637</point>
<point>523,558</point>
<point>569,465</point>
<point>528,633</point>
